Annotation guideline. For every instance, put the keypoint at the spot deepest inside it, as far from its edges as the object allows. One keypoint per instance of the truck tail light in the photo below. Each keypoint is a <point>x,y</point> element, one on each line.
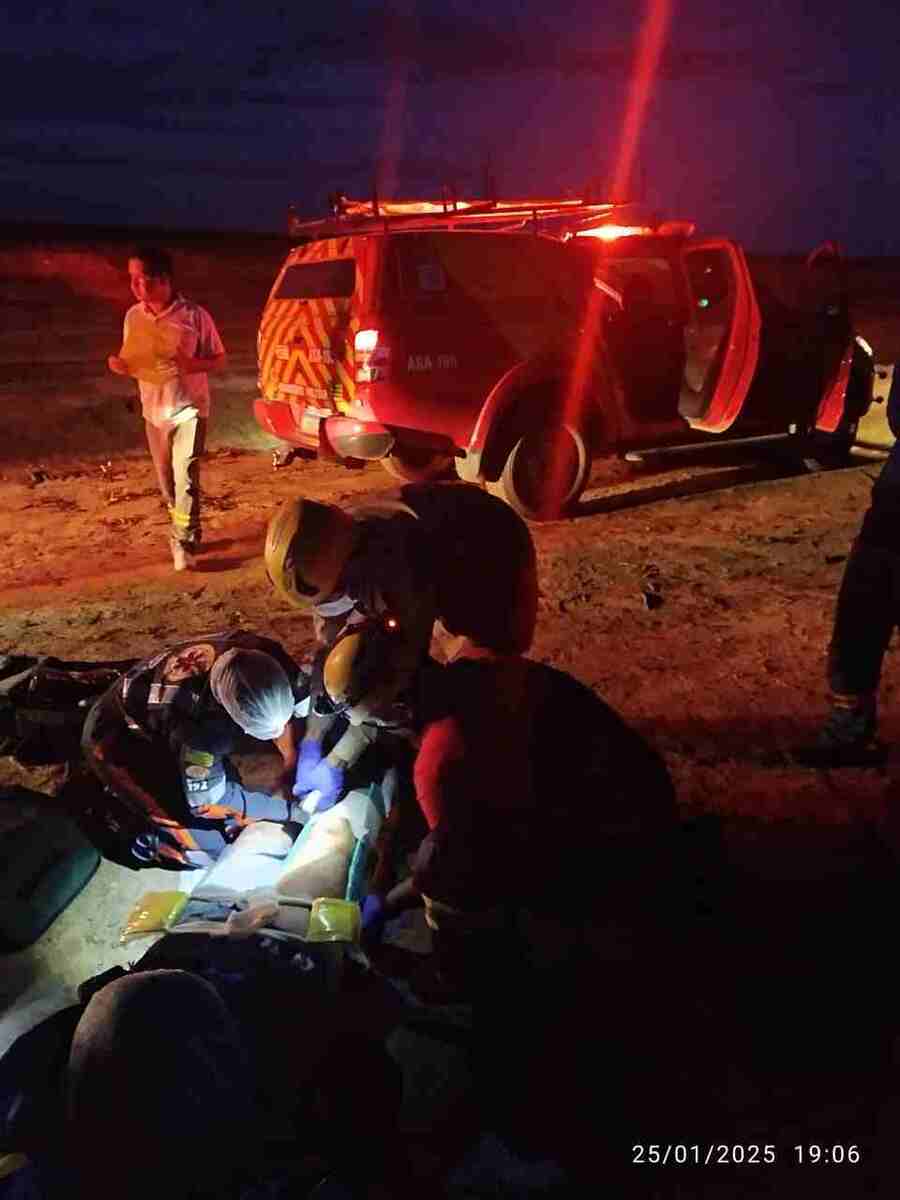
<point>371,356</point>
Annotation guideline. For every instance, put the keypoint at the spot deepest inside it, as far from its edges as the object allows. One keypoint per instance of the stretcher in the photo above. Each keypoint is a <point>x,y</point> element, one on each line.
<point>265,881</point>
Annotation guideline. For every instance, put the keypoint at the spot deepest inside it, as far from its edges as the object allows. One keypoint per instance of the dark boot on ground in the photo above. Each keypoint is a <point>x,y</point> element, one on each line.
<point>848,737</point>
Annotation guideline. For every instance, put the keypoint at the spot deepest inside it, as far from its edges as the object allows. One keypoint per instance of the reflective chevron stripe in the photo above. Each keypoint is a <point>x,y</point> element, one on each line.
<point>314,323</point>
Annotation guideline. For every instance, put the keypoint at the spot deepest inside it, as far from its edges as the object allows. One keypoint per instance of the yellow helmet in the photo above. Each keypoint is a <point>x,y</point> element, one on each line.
<point>367,668</point>
<point>307,547</point>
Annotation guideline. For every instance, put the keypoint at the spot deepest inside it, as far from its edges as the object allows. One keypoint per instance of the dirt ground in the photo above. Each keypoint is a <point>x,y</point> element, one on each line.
<point>720,669</point>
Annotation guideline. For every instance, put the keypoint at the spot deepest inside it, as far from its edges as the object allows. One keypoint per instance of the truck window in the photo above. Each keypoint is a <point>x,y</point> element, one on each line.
<point>643,283</point>
<point>709,276</point>
<point>335,278</point>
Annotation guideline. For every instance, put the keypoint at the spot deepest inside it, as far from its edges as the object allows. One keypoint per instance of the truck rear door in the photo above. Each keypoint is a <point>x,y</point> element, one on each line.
<point>306,333</point>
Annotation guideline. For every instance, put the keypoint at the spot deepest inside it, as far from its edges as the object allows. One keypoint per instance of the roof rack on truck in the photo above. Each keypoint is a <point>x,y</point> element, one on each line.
<point>556,217</point>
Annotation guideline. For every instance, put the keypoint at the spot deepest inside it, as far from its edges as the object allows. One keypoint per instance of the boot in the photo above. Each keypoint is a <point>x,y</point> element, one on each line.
<point>848,737</point>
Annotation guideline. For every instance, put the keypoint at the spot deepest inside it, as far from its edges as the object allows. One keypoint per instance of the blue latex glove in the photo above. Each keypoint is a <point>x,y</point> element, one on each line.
<point>308,759</point>
<point>373,916</point>
<point>328,781</point>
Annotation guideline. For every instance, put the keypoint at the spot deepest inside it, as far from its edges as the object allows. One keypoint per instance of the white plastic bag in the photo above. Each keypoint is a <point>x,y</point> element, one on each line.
<point>255,860</point>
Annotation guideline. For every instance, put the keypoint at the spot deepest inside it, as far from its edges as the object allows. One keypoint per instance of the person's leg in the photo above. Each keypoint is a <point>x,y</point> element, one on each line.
<point>257,806</point>
<point>159,443</point>
<point>188,443</point>
<point>157,1063</point>
<point>863,625</point>
<point>169,449</point>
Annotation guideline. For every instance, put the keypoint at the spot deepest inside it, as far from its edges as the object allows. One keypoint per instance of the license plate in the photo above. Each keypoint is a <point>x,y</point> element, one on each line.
<point>309,422</point>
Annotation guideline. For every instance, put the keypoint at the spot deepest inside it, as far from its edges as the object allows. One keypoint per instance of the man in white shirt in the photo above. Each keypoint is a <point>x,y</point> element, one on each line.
<point>170,345</point>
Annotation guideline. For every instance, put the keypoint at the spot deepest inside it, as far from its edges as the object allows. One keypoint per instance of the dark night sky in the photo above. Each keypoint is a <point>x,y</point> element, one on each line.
<point>772,120</point>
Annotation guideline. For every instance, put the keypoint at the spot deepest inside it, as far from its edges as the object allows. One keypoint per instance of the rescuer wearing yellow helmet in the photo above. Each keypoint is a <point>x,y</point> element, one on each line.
<point>307,547</point>
<point>445,551</point>
<point>366,675</point>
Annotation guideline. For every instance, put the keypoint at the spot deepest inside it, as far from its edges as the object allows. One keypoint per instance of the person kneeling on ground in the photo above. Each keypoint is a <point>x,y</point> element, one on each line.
<point>548,876</point>
<point>159,740</point>
<point>531,786</point>
<point>439,551</point>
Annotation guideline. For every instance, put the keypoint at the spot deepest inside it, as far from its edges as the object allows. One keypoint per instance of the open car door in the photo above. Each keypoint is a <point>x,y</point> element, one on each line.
<point>721,336</point>
<point>828,299</point>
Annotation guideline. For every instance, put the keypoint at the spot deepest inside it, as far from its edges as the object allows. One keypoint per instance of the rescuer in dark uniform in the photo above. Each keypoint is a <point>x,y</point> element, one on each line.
<point>528,782</point>
<point>446,551</point>
<point>160,737</point>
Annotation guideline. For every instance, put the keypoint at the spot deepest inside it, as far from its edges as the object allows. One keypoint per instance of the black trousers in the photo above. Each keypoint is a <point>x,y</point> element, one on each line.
<point>868,610</point>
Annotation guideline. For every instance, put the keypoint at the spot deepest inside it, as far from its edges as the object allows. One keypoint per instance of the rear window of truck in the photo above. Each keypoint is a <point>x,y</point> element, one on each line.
<point>333,279</point>
<point>647,283</point>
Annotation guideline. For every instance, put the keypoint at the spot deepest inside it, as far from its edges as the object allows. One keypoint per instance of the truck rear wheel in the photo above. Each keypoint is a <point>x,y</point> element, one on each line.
<point>545,473</point>
<point>417,466</point>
